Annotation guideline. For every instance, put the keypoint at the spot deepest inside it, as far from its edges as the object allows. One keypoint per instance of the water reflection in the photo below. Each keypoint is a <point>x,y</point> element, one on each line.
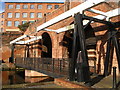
<point>18,77</point>
<point>12,77</point>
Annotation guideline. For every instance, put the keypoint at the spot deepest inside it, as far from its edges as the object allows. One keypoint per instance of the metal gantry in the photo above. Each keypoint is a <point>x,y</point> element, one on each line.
<point>79,31</point>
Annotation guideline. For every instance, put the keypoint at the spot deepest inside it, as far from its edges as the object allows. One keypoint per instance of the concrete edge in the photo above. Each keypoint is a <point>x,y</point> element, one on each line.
<point>68,84</point>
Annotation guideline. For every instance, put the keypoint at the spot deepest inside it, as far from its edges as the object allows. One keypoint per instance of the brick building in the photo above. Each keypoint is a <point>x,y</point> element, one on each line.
<point>1,22</point>
<point>17,13</point>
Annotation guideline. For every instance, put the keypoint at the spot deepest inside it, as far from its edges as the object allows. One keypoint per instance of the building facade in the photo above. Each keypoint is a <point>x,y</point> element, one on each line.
<point>17,13</point>
<point>1,22</point>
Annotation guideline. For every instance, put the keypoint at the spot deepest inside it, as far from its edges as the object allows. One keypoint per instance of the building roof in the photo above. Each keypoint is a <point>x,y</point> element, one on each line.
<point>34,1</point>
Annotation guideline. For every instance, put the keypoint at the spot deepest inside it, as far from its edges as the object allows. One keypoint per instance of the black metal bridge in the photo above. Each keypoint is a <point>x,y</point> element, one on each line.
<point>50,66</point>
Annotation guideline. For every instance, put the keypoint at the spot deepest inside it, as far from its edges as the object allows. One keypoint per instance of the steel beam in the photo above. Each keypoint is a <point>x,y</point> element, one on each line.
<point>107,59</point>
<point>116,43</point>
<point>19,38</point>
<point>27,41</point>
<point>72,64</point>
<point>110,14</point>
<point>95,19</point>
<point>27,51</point>
<point>97,12</point>
<point>85,66</point>
<point>87,24</point>
<point>112,41</point>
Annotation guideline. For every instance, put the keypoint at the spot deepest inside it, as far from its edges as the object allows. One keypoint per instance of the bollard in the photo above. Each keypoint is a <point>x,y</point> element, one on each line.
<point>53,65</point>
<point>114,77</point>
<point>60,65</point>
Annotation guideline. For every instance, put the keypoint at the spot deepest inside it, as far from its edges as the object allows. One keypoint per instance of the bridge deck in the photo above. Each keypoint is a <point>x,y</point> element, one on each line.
<point>50,66</point>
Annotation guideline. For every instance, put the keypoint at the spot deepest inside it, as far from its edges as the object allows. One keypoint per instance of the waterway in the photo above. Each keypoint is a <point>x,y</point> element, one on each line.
<point>13,77</point>
<point>17,79</point>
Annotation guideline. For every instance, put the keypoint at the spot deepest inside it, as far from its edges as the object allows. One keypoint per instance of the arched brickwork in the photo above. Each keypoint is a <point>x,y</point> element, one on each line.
<point>46,46</point>
<point>66,43</point>
<point>54,42</point>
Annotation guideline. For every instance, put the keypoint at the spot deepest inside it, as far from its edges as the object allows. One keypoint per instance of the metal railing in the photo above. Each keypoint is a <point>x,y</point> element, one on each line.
<point>50,66</point>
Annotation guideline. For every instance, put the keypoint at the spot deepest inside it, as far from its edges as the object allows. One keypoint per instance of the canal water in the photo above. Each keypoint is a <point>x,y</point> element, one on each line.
<point>13,77</point>
<point>17,79</point>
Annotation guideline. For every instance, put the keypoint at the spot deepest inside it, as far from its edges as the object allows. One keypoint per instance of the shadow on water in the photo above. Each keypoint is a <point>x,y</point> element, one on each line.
<point>18,77</point>
<point>13,77</point>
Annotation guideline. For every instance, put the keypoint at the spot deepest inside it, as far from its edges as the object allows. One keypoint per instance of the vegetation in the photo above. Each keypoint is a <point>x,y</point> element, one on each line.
<point>24,26</point>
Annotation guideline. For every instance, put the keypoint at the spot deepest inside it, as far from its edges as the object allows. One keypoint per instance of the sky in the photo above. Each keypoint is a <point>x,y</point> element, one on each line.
<point>2,5</point>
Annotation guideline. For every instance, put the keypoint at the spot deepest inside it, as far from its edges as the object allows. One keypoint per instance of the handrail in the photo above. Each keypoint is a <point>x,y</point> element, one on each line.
<point>50,66</point>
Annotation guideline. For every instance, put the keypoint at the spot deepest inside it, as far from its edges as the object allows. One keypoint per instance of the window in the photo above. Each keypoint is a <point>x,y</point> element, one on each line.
<point>31,15</point>
<point>10,6</point>
<point>47,13</point>
<point>1,30</point>
<point>56,6</point>
<point>9,23</point>
<point>31,21</point>
<point>9,15</point>
<point>24,15</point>
<point>49,6</point>
<point>39,7</point>
<point>2,16</point>
<point>2,22</point>
<point>32,6</point>
<point>25,6</point>
<point>23,22</point>
<point>17,6</point>
<point>16,23</point>
<point>39,15</point>
<point>17,15</point>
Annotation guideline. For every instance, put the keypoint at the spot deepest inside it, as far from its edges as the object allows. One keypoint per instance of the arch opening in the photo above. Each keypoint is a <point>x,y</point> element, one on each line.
<point>67,44</point>
<point>46,46</point>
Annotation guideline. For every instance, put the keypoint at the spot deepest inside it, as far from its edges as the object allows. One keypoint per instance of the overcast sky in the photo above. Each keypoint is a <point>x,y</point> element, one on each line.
<point>2,5</point>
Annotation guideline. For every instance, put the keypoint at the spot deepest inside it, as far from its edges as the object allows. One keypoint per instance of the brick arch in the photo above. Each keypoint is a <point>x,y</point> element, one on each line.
<point>46,43</point>
<point>67,43</point>
<point>54,41</point>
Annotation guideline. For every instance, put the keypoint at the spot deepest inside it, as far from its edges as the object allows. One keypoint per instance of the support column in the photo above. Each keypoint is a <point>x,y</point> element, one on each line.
<point>11,59</point>
<point>28,52</point>
<point>116,43</point>
<point>107,59</point>
<point>85,77</point>
<point>74,55</point>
